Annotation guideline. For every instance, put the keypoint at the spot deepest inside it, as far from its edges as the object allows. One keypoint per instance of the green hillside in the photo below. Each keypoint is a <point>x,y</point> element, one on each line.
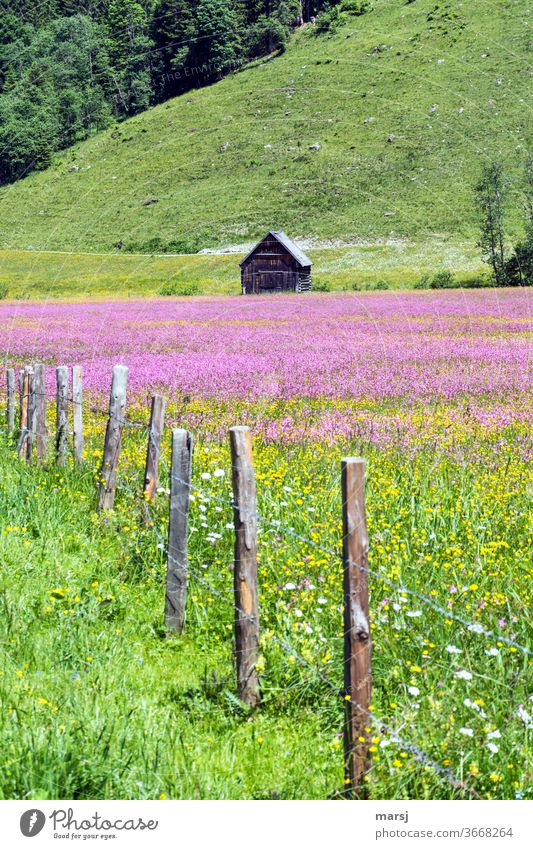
<point>404,105</point>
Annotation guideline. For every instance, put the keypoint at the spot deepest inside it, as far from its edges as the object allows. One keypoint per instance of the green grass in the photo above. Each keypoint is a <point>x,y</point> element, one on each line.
<point>96,702</point>
<point>41,275</point>
<point>228,162</point>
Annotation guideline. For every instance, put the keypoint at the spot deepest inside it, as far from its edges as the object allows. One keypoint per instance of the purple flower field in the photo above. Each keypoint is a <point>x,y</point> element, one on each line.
<point>372,347</point>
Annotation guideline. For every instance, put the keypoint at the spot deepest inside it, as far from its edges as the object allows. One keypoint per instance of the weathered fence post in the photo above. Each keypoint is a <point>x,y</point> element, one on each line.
<point>30,436</point>
<point>61,414</point>
<point>10,407</point>
<point>245,566</point>
<point>113,438</point>
<point>38,422</point>
<point>77,412</point>
<point>153,453</point>
<point>178,525</point>
<point>357,644</point>
<point>24,385</point>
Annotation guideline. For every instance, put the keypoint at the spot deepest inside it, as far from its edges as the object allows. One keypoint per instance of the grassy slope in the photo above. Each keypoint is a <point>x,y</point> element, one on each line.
<point>229,161</point>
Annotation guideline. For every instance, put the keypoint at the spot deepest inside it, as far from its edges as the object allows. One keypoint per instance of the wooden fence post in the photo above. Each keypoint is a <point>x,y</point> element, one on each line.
<point>245,566</point>
<point>38,424</point>
<point>30,437</point>
<point>61,414</point>
<point>77,412</point>
<point>24,385</point>
<point>10,407</point>
<point>113,438</point>
<point>21,393</point>
<point>153,453</point>
<point>357,644</point>
<point>178,525</point>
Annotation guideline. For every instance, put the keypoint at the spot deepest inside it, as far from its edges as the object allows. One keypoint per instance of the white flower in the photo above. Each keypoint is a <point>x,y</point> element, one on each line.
<point>287,489</point>
<point>524,716</point>
<point>492,652</point>
<point>218,509</point>
<point>414,613</point>
<point>202,508</point>
<point>160,545</point>
<point>229,526</point>
<point>298,613</point>
<point>321,601</point>
<point>219,473</point>
<point>476,628</point>
<point>469,703</point>
<point>384,744</point>
<point>492,747</point>
<point>290,586</point>
<point>466,731</point>
<point>205,476</point>
<point>414,691</point>
<point>494,735</point>
<point>308,629</point>
<point>462,673</point>
<point>453,650</point>
<point>205,566</point>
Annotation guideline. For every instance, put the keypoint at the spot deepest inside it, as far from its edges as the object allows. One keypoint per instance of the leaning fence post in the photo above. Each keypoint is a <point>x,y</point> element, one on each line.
<point>153,452</point>
<point>61,414</point>
<point>38,424</point>
<point>357,644</point>
<point>245,566</point>
<point>113,438</point>
<point>10,407</point>
<point>178,524</point>
<point>77,412</point>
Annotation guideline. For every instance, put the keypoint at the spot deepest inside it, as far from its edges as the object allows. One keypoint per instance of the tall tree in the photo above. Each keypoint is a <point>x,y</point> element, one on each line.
<point>215,49</point>
<point>130,50</point>
<point>490,198</point>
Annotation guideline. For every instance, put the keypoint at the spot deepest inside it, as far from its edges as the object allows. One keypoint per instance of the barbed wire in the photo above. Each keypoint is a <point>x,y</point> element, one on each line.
<point>473,627</point>
<point>420,755</point>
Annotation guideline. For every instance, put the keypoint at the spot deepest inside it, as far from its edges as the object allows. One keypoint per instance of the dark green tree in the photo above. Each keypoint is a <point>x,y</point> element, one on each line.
<point>130,51</point>
<point>216,47</point>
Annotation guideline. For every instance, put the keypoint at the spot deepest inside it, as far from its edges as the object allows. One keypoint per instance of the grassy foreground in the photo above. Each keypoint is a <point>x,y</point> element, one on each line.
<point>95,701</point>
<point>377,131</point>
<point>41,275</point>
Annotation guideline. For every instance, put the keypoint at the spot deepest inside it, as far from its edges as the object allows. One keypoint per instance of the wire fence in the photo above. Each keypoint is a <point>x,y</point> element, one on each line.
<point>29,432</point>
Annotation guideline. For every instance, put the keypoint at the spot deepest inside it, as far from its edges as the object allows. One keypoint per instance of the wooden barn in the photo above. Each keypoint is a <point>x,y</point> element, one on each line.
<point>276,264</point>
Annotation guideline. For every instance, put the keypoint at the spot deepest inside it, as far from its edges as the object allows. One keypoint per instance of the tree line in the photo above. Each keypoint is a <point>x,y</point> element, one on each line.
<point>70,68</point>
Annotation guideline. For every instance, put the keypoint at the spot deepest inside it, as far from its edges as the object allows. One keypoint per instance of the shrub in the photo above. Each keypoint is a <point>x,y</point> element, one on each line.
<point>4,290</point>
<point>442,280</point>
<point>423,282</point>
<point>380,286</point>
<point>355,7</point>
<point>320,286</point>
<point>519,268</point>
<point>174,290</point>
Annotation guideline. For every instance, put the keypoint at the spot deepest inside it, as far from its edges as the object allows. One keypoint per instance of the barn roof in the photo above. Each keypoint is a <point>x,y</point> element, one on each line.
<point>287,243</point>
